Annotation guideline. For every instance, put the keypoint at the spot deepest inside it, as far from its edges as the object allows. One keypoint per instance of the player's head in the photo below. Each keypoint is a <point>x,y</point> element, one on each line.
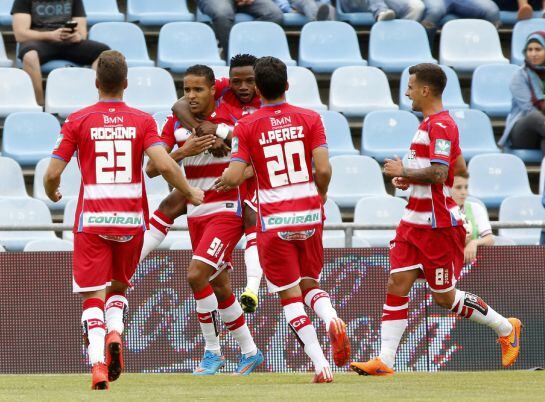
<point>459,190</point>
<point>426,84</point>
<point>199,88</point>
<point>271,78</point>
<point>242,77</point>
<point>111,75</point>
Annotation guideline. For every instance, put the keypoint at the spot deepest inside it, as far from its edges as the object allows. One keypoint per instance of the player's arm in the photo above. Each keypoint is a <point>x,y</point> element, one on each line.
<point>437,173</point>
<point>172,173</point>
<point>460,166</point>
<point>322,170</point>
<point>52,178</point>
<point>233,176</point>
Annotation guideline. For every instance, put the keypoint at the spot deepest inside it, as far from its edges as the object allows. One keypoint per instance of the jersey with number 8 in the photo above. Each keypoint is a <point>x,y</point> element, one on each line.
<point>278,141</point>
<point>110,139</point>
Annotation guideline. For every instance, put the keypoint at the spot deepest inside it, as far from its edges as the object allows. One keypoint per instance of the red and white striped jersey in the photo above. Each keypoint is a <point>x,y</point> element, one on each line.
<point>430,205</point>
<point>278,140</point>
<point>110,139</point>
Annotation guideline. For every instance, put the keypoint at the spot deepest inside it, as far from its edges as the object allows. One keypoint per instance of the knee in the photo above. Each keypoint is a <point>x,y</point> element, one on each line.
<point>31,58</point>
<point>222,291</point>
<point>492,13</point>
<point>196,277</point>
<point>272,13</point>
<point>396,286</point>
<point>117,287</point>
<point>415,10</point>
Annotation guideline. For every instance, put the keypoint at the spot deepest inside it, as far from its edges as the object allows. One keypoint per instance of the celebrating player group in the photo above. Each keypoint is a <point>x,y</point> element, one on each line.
<point>255,166</point>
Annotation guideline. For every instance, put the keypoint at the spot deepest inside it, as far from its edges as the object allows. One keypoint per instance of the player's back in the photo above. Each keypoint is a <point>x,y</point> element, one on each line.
<point>278,141</point>
<point>110,139</point>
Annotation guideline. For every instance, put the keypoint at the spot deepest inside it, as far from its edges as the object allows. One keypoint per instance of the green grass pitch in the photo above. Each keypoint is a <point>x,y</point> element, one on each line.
<point>467,386</point>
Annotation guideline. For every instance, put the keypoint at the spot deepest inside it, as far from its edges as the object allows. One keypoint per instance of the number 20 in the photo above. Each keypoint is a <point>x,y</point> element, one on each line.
<point>291,176</point>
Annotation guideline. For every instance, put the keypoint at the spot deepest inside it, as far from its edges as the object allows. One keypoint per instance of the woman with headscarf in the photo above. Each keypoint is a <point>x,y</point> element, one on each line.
<point>525,125</point>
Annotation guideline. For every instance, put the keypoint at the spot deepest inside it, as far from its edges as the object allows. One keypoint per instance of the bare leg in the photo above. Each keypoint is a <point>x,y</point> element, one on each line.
<point>31,64</point>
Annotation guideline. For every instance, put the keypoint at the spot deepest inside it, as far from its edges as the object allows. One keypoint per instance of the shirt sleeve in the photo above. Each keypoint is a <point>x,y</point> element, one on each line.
<point>151,137</point>
<point>77,9</point>
<point>442,144</point>
<point>481,219</point>
<point>21,6</point>
<point>240,151</point>
<point>167,134</point>
<point>67,142</point>
<point>318,137</point>
<point>222,85</point>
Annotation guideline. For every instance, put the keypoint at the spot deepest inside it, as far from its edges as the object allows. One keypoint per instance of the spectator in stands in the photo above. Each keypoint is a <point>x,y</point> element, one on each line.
<point>314,10</point>
<point>386,9</point>
<point>525,8</point>
<point>222,13</point>
<point>525,125</point>
<point>477,224</point>
<point>481,9</point>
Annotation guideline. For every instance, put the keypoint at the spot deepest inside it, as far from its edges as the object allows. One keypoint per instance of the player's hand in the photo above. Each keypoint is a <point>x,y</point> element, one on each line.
<point>195,145</point>
<point>220,148</point>
<point>393,167</point>
<point>219,185</point>
<point>56,196</point>
<point>206,128</point>
<point>195,196</point>
<point>470,251</point>
<point>56,35</point>
<point>241,3</point>
<point>401,183</point>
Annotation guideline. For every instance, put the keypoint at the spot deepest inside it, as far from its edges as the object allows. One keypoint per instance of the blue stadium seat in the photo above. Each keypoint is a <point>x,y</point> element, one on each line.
<point>468,43</point>
<point>333,238</point>
<point>378,210</point>
<point>347,185</point>
<point>522,208</point>
<point>494,177</point>
<point>397,44</point>
<point>49,245</point>
<point>327,45</point>
<point>12,184</point>
<point>363,18</point>
<point>239,17</point>
<point>102,11</point>
<point>339,138</point>
<point>183,44</point>
<point>476,134</point>
<point>70,184</point>
<point>70,89</point>
<point>452,95</point>
<point>260,38</point>
<point>387,133</point>
<point>521,30</point>
<point>161,118</point>
<point>490,89</point>
<point>510,17</point>
<point>4,61</point>
<point>542,177</point>
<point>356,91</point>
<point>303,89</point>
<point>294,19</point>
<point>527,155</point>
<point>146,12</point>
<point>29,136</point>
<point>23,211</point>
<point>17,94</point>
<point>68,218</point>
<point>125,37</point>
<point>151,89</point>
<point>5,12</point>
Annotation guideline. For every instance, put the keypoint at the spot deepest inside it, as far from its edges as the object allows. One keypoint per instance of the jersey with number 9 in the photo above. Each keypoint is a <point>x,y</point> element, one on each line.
<point>110,139</point>
<point>278,140</point>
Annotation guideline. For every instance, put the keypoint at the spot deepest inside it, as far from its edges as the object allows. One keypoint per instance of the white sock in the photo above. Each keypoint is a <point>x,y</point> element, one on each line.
<point>92,320</point>
<point>474,308</point>
<point>207,303</point>
<point>233,317</point>
<point>158,230</point>
<point>254,272</point>
<point>319,301</point>
<point>300,323</point>
<point>116,308</point>
<point>394,323</point>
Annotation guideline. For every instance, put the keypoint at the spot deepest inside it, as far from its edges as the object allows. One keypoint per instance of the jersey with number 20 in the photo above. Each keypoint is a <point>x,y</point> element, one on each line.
<point>278,140</point>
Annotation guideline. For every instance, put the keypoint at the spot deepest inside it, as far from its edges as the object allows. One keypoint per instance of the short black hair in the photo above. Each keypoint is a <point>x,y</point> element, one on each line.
<point>430,74</point>
<point>271,77</point>
<point>200,70</point>
<point>242,60</point>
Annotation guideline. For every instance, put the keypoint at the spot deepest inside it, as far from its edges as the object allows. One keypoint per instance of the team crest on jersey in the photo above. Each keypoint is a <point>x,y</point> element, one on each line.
<point>234,145</point>
<point>442,147</point>
<point>58,142</point>
<point>302,235</point>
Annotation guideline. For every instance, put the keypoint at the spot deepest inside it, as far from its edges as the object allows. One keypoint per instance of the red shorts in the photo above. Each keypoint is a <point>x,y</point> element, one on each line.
<point>439,253</point>
<point>214,237</point>
<point>285,261</point>
<point>97,261</point>
<point>249,193</point>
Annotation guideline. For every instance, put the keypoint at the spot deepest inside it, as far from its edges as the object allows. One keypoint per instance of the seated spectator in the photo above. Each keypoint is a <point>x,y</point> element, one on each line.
<point>480,9</point>
<point>477,224</point>
<point>222,13</point>
<point>386,9</point>
<point>39,28</point>
<point>525,125</point>
<point>314,10</point>
<point>525,8</point>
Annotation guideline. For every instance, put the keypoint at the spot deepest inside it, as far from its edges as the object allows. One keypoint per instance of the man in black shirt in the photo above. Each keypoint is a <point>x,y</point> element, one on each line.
<point>40,29</point>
